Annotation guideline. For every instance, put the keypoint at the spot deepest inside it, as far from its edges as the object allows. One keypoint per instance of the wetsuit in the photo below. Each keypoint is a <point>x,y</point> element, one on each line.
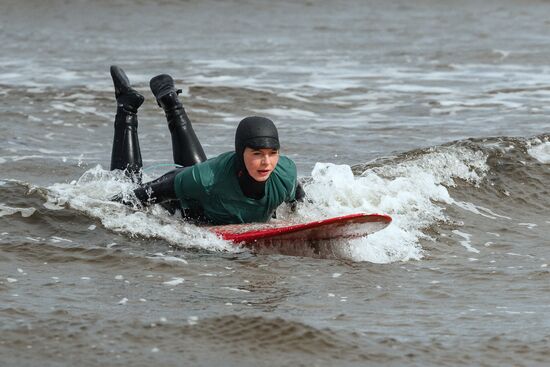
<point>213,188</point>
<point>219,190</point>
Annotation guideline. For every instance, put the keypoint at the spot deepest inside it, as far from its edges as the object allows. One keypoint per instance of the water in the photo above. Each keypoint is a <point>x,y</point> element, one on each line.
<point>434,113</point>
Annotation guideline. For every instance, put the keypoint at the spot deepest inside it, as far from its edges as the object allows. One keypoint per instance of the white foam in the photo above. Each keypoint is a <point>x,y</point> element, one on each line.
<point>528,225</point>
<point>53,205</point>
<point>541,152</point>
<point>411,88</point>
<point>444,164</point>
<point>411,192</point>
<point>92,192</point>
<point>287,112</point>
<point>7,210</point>
<point>192,320</point>
<point>466,243</point>
<point>71,107</point>
<point>236,289</point>
<point>174,281</point>
<point>162,257</point>
<point>477,209</point>
<point>56,239</point>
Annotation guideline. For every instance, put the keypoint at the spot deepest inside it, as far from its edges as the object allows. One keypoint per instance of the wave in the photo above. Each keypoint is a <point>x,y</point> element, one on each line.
<point>426,191</point>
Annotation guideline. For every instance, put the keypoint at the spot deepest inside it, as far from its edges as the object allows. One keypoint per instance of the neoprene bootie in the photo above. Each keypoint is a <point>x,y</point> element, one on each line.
<point>165,92</point>
<point>126,154</point>
<point>126,96</point>
<point>186,147</point>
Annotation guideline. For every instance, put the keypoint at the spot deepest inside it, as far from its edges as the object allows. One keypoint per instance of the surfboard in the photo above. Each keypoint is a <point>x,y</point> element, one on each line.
<point>347,226</point>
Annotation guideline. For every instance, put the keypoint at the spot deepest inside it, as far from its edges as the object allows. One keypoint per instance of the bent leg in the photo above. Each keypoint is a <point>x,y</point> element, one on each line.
<point>126,154</point>
<point>186,148</point>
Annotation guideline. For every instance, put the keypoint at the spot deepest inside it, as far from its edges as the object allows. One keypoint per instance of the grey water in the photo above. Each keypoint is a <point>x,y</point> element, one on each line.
<point>434,112</point>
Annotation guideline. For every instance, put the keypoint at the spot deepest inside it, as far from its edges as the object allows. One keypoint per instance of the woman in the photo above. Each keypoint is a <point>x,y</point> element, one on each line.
<point>243,186</point>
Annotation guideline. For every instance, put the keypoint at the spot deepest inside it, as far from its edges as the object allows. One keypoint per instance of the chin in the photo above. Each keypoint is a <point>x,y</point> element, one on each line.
<point>261,179</point>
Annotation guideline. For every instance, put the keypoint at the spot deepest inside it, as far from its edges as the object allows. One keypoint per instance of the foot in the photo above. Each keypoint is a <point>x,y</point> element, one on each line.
<point>126,97</point>
<point>166,94</point>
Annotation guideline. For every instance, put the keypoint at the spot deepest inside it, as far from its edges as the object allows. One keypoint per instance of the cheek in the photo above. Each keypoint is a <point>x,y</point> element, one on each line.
<point>251,163</point>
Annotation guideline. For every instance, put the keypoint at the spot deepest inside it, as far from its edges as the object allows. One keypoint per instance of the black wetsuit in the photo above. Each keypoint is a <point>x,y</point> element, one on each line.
<point>254,132</point>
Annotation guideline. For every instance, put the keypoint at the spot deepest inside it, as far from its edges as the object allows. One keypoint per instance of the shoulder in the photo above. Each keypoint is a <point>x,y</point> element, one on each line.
<point>214,166</point>
<point>219,166</point>
<point>282,182</point>
<point>216,170</point>
<point>286,168</point>
<point>284,177</point>
<point>207,173</point>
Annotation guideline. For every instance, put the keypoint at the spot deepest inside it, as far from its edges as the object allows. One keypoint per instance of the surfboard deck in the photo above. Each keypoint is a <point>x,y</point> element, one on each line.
<point>347,226</point>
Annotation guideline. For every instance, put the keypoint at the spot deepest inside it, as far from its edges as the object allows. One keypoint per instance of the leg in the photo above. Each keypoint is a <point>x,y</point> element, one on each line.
<point>126,154</point>
<point>186,148</point>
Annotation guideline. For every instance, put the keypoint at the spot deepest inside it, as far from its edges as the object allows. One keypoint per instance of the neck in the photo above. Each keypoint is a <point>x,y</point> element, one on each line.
<point>250,187</point>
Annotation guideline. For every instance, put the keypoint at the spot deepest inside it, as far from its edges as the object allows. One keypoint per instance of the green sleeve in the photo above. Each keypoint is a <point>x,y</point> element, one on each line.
<point>288,177</point>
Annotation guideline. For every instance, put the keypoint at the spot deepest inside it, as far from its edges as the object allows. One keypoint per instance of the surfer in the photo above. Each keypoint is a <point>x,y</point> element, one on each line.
<point>243,186</point>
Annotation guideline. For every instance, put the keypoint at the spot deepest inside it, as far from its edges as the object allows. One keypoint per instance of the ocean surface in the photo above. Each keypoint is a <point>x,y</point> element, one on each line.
<point>434,112</point>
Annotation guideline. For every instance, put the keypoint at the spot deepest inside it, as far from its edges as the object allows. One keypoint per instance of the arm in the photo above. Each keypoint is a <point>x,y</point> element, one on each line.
<point>157,191</point>
<point>299,196</point>
<point>300,193</point>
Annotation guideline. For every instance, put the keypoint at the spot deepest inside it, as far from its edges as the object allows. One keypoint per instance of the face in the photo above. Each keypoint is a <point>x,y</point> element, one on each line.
<point>260,162</point>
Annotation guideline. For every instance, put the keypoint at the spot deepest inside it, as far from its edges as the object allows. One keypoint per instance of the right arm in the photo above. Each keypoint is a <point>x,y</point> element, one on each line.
<point>154,192</point>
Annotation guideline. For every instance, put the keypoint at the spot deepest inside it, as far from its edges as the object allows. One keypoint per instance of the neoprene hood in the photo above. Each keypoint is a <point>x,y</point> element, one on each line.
<point>258,133</point>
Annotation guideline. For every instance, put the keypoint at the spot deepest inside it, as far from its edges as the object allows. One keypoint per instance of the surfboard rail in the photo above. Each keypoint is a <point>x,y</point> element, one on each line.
<point>346,226</point>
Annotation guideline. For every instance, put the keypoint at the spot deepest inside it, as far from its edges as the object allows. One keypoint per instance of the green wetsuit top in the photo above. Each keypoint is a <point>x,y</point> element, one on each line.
<point>213,188</point>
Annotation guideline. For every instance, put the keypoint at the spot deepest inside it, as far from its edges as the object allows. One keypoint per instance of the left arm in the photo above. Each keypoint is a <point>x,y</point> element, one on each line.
<point>299,196</point>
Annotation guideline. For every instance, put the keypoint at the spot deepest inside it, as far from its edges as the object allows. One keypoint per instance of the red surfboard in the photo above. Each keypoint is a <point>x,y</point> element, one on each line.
<point>347,226</point>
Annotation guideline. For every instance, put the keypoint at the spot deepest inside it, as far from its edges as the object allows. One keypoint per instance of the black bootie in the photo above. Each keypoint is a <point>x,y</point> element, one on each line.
<point>186,147</point>
<point>126,97</point>
<point>126,154</point>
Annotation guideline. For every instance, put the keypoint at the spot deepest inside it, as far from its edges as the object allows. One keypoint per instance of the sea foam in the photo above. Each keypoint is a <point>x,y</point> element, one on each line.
<point>92,192</point>
<point>541,152</point>
<point>412,192</point>
<point>7,210</point>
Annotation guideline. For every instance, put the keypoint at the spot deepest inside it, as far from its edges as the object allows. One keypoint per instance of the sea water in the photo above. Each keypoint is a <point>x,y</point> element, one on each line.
<point>434,113</point>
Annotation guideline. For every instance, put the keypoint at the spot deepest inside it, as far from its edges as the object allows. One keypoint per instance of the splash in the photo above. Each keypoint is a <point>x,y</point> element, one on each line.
<point>8,210</point>
<point>92,192</point>
<point>541,152</point>
<point>413,192</point>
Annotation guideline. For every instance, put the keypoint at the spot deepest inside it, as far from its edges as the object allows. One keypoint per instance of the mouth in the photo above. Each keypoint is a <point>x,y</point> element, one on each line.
<point>264,172</point>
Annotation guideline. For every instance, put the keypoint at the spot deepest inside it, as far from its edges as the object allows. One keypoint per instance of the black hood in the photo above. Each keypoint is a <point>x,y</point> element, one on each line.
<point>257,133</point>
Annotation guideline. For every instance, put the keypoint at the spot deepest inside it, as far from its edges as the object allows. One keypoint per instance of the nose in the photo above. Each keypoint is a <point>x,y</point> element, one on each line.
<point>265,159</point>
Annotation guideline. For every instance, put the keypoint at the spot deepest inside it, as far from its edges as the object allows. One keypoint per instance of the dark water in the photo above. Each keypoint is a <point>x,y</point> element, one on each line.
<point>433,112</point>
